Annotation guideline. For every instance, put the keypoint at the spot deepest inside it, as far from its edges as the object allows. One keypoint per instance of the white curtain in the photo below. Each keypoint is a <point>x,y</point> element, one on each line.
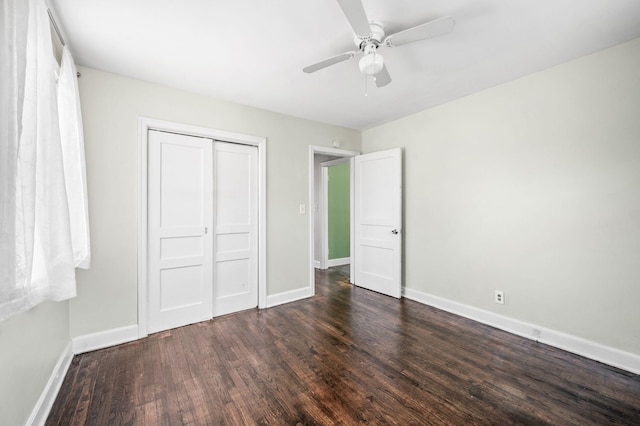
<point>37,255</point>
<point>72,138</point>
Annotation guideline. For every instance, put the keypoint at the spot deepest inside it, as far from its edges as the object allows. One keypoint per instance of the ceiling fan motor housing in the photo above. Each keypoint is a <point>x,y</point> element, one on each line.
<point>376,37</point>
<point>371,63</point>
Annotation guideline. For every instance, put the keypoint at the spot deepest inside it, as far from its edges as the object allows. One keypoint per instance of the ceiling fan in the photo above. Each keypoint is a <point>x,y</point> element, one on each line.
<point>370,36</point>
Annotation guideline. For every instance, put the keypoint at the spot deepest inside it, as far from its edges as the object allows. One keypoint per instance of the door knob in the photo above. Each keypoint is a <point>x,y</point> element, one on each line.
<point>394,232</point>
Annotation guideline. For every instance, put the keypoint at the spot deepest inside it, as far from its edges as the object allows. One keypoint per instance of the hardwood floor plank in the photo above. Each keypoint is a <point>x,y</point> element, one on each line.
<point>346,356</point>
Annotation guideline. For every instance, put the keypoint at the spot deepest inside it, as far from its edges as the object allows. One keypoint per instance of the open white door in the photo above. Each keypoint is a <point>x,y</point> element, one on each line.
<point>378,221</point>
<point>180,200</point>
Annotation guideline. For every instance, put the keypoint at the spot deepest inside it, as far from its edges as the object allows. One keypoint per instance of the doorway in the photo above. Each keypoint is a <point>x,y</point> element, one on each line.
<point>201,224</point>
<point>320,159</point>
<point>376,218</point>
<point>334,211</point>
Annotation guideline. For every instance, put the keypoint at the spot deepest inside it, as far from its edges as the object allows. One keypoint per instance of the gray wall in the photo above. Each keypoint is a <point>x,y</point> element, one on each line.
<point>32,343</point>
<point>30,346</point>
<point>533,188</point>
<point>111,105</point>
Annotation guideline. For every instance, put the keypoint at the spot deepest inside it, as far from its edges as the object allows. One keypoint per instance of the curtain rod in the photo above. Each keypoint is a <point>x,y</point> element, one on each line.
<point>58,33</point>
<point>55,27</point>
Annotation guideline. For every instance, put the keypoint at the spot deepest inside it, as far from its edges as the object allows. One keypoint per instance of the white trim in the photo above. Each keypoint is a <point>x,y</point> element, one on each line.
<point>288,296</point>
<point>48,396</point>
<point>335,162</point>
<point>577,345</point>
<point>352,219</point>
<point>144,125</point>
<point>143,130</point>
<point>338,262</point>
<point>318,218</point>
<point>323,211</point>
<point>104,339</point>
<point>262,223</point>
<point>315,149</point>
<point>316,264</point>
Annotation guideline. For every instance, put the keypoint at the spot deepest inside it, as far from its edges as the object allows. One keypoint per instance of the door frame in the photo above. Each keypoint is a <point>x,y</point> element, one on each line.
<point>313,150</point>
<point>144,125</point>
<point>324,211</point>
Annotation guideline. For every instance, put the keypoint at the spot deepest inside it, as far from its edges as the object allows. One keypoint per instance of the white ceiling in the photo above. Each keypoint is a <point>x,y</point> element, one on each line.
<point>253,51</point>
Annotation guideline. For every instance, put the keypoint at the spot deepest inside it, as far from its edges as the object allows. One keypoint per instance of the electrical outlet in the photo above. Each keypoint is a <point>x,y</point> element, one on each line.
<point>499,297</point>
<point>302,209</point>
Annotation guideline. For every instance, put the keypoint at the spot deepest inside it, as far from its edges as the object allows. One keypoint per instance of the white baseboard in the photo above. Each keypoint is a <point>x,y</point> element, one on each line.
<point>288,296</point>
<point>316,264</point>
<point>338,262</point>
<point>104,339</point>
<point>589,349</point>
<point>42,408</point>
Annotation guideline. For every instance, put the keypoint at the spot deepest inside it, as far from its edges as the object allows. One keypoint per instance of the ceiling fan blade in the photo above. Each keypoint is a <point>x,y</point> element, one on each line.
<point>356,15</point>
<point>383,78</point>
<point>429,29</point>
<point>328,62</point>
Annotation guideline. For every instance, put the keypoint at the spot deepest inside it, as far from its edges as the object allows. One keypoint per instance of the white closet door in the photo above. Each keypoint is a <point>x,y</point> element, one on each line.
<point>180,211</point>
<point>378,221</point>
<point>236,228</point>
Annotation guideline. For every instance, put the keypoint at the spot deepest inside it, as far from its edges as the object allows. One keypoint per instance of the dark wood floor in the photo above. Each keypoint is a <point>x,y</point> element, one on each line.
<point>346,356</point>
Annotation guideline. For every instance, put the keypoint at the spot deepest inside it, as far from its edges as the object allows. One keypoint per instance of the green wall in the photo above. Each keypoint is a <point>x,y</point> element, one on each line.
<point>338,211</point>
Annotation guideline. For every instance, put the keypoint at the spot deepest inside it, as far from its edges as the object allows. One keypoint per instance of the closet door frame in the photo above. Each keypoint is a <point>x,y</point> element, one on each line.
<point>144,125</point>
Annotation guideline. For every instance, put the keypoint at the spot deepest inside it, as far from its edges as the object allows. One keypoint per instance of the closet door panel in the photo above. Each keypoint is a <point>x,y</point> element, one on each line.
<point>236,228</point>
<point>180,210</point>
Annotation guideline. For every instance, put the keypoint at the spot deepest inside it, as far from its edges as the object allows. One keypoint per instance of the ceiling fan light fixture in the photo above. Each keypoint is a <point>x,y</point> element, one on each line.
<point>371,63</point>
